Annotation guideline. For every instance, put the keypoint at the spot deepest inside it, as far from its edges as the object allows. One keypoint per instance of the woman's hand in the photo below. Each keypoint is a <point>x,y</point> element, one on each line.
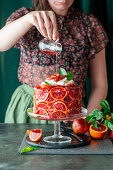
<point>45,22</point>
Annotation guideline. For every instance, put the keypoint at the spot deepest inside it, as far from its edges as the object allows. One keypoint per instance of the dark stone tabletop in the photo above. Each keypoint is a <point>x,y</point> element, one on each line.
<point>11,136</point>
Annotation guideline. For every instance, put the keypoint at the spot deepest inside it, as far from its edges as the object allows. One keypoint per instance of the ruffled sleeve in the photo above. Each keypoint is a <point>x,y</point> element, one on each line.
<point>16,15</point>
<point>96,35</point>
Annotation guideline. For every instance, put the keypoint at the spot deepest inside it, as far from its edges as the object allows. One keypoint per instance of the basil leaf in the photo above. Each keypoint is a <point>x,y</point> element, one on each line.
<point>89,118</point>
<point>111,115</point>
<point>62,71</point>
<point>106,122</point>
<point>48,83</point>
<point>105,105</point>
<point>97,114</point>
<point>95,124</point>
<point>110,125</point>
<point>26,149</point>
<point>69,75</point>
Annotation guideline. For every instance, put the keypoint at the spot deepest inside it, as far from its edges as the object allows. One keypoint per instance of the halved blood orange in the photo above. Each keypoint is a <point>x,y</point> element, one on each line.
<point>58,93</point>
<point>33,130</point>
<point>42,94</point>
<point>59,106</point>
<point>58,114</point>
<point>42,105</point>
<point>74,92</point>
<point>35,135</point>
<point>98,133</point>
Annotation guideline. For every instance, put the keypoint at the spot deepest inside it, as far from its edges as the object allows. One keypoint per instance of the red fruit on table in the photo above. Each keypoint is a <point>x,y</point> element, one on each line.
<point>111,134</point>
<point>80,126</point>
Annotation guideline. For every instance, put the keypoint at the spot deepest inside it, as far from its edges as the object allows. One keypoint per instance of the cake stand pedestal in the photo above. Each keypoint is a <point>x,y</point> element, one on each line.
<point>57,138</point>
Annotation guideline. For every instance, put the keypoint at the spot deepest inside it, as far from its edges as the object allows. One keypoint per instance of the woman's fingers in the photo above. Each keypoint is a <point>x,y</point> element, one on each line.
<point>45,21</point>
<point>54,26</point>
<point>41,24</point>
<point>48,24</point>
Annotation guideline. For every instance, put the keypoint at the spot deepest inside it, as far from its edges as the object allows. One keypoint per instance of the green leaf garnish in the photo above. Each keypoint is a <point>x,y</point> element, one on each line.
<point>105,105</point>
<point>89,118</point>
<point>35,147</point>
<point>95,124</point>
<point>48,83</point>
<point>29,149</point>
<point>26,149</point>
<point>101,116</point>
<point>62,72</point>
<point>69,75</point>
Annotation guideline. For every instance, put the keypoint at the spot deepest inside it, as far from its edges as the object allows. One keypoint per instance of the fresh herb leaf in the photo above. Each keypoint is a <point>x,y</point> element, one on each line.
<point>26,149</point>
<point>95,124</point>
<point>110,125</point>
<point>29,149</point>
<point>111,115</point>
<point>48,83</point>
<point>89,118</point>
<point>35,147</point>
<point>105,105</point>
<point>97,114</point>
<point>69,75</point>
<point>62,71</point>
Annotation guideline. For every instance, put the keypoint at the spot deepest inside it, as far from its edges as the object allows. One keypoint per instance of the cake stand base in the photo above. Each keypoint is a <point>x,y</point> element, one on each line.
<point>57,139</point>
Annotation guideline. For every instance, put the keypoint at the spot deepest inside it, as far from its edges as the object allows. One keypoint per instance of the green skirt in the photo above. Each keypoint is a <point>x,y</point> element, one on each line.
<point>21,100</point>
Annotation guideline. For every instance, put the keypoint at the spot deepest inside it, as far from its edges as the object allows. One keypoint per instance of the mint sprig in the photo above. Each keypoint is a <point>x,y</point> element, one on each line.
<point>48,83</point>
<point>63,72</point>
<point>29,149</point>
<point>101,116</point>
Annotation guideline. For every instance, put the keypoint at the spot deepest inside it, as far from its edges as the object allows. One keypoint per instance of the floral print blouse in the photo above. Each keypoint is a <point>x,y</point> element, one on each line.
<point>81,35</point>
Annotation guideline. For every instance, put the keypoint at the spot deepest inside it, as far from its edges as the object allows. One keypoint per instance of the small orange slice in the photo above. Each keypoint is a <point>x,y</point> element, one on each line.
<point>98,133</point>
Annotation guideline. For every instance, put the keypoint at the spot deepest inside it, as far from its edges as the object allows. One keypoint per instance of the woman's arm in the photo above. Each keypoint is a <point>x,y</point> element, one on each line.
<point>44,21</point>
<point>99,84</point>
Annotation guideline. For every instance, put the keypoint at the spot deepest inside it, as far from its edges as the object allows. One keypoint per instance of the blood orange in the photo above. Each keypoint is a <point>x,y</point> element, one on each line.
<point>75,105</point>
<point>33,130</point>
<point>59,106</point>
<point>74,92</point>
<point>49,98</point>
<point>67,99</point>
<point>80,126</point>
<point>42,105</point>
<point>98,133</point>
<point>40,111</point>
<point>42,93</point>
<point>58,114</point>
<point>35,135</point>
<point>58,93</point>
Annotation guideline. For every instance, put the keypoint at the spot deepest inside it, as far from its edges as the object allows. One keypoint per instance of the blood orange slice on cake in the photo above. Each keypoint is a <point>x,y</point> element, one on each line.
<point>58,93</point>
<point>74,92</point>
<point>42,105</point>
<point>58,114</point>
<point>59,106</point>
<point>42,94</point>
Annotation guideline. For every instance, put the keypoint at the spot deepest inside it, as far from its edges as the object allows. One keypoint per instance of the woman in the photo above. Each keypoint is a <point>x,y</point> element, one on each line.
<point>83,40</point>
